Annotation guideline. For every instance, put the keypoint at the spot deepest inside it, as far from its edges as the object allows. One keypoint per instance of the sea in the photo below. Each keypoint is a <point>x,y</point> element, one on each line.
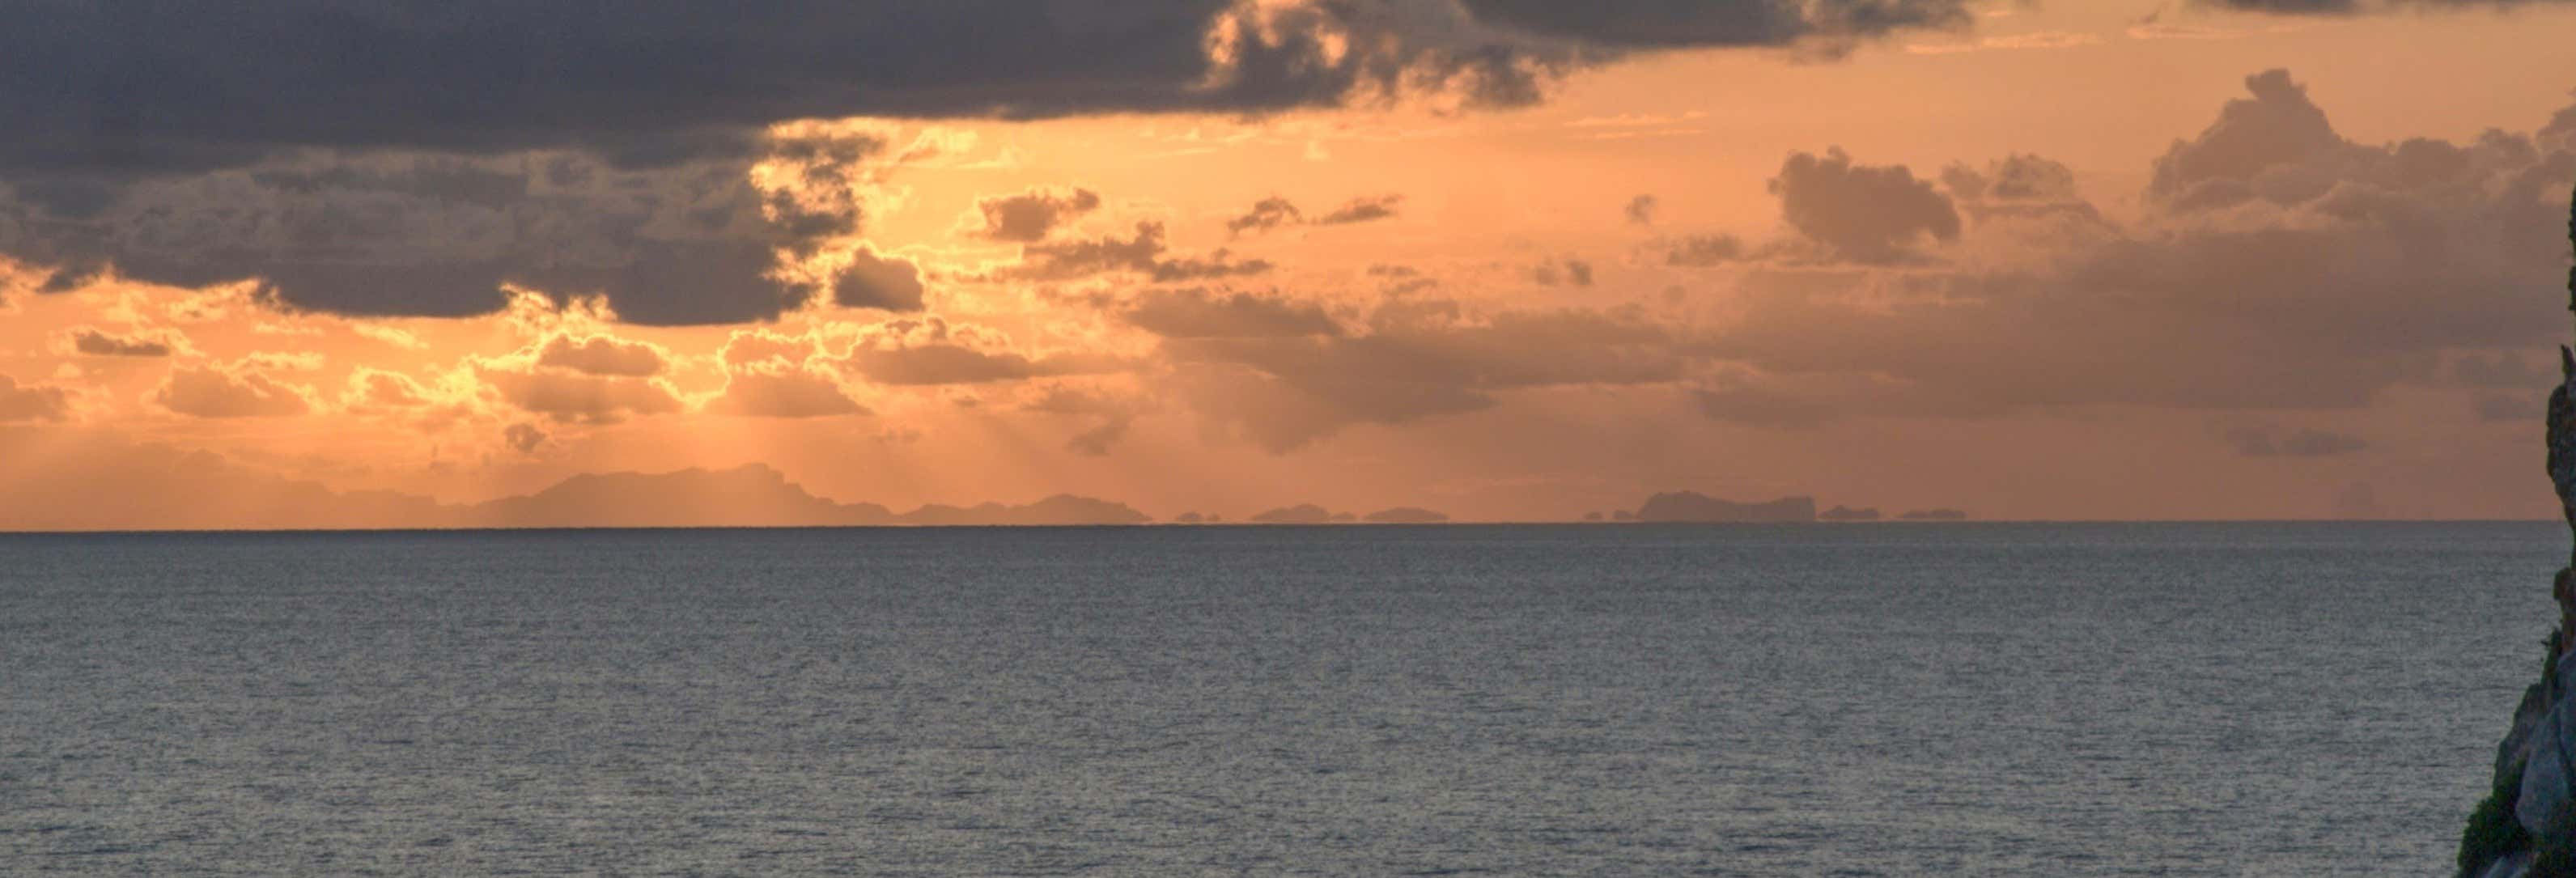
<point>1797,700</point>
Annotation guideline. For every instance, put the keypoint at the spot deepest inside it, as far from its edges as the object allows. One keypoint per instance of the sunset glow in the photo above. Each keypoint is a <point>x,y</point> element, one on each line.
<point>2071,260</point>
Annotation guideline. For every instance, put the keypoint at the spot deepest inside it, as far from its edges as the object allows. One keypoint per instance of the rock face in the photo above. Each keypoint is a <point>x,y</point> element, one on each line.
<point>2526,827</point>
<point>1695,508</point>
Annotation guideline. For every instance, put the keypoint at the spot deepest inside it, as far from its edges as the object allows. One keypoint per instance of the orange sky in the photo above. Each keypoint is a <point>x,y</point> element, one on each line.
<point>2071,261</point>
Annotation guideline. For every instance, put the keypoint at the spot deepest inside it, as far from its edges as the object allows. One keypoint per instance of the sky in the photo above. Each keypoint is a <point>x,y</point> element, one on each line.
<point>1505,259</point>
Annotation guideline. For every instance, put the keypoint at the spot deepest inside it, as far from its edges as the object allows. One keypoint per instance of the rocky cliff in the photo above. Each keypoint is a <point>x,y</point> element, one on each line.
<point>2526,827</point>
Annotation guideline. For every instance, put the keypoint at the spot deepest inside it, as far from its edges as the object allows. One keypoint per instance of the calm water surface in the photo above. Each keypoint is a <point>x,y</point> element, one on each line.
<point>2058,700</point>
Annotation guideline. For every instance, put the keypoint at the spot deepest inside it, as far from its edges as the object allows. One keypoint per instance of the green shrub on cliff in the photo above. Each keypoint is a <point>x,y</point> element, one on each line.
<point>2492,831</point>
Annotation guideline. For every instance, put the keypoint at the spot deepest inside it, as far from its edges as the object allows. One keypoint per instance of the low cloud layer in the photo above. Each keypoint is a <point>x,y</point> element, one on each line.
<point>2280,266</point>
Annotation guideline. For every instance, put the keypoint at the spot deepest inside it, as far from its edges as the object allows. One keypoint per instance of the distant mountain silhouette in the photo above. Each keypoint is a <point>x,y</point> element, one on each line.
<point>1406,515</point>
<point>752,495</point>
<point>1303,513</point>
<point>1846,513</point>
<point>116,486</point>
<point>1696,508</point>
<point>1061,509</point>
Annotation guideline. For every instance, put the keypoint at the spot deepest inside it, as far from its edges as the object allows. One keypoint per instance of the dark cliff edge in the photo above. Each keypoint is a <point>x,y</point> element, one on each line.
<point>2526,828</point>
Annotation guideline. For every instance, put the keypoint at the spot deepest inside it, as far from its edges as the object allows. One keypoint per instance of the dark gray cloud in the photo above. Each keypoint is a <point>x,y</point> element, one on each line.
<point>1029,216</point>
<point>116,88</point>
<point>2357,7</point>
<point>426,235</point>
<point>410,157</point>
<point>1862,213</point>
<point>119,86</point>
<point>1677,23</point>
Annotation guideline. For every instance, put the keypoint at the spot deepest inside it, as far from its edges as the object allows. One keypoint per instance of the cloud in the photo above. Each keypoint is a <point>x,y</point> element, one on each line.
<point>1200,313</point>
<point>216,391</point>
<point>188,89</point>
<point>1830,25</point>
<point>2315,289</point>
<point>376,388</point>
<point>1028,217</point>
<point>1274,212</point>
<point>876,281</point>
<point>2522,408</point>
<point>94,342</point>
<point>602,355</point>
<point>1859,212</point>
<point>798,393</point>
<point>1360,210</point>
<point>1564,270</point>
<point>2356,7</point>
<point>1111,417</point>
<point>1641,209</point>
<point>1702,251</point>
<point>523,438</point>
<point>2275,144</point>
<point>665,158</point>
<point>1414,359</point>
<point>1140,253</point>
<point>2262,442</point>
<point>2506,370</point>
<point>2017,186</point>
<point>32,402</point>
<point>577,397</point>
<point>1266,214</point>
<point>389,335</point>
<point>1738,403</point>
<point>419,235</point>
<point>931,351</point>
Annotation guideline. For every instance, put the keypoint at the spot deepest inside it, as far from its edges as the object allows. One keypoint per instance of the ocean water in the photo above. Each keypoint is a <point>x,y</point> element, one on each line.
<point>1895,700</point>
